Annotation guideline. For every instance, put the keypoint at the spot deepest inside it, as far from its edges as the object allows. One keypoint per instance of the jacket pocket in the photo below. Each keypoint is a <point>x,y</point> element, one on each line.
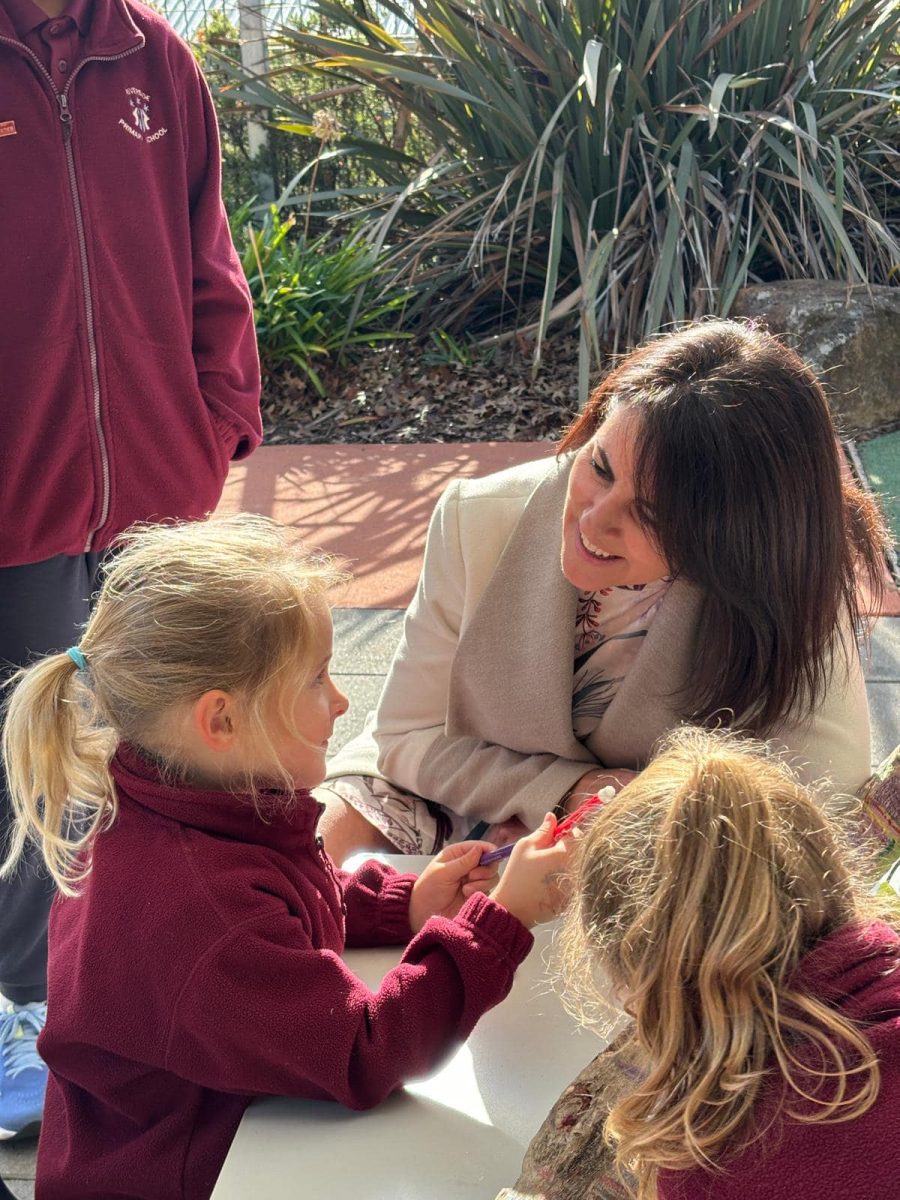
<point>168,458</point>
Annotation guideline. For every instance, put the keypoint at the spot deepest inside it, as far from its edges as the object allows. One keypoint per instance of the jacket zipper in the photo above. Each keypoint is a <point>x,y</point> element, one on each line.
<point>65,116</point>
<point>328,866</point>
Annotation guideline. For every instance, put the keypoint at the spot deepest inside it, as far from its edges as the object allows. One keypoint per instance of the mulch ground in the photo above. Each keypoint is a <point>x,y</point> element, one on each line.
<point>400,394</point>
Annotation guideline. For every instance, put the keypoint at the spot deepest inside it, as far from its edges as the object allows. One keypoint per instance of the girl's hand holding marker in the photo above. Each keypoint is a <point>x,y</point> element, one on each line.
<point>532,887</point>
<point>529,888</point>
<point>447,882</point>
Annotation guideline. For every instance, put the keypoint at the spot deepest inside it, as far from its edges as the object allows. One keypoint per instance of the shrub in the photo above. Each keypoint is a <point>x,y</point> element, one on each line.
<point>631,162</point>
<point>313,299</point>
<point>307,104</point>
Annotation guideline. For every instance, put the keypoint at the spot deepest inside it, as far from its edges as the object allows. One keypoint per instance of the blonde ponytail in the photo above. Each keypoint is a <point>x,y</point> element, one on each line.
<point>56,756</point>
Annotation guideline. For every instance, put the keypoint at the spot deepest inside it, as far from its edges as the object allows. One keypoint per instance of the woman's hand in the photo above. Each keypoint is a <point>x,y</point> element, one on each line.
<point>506,831</point>
<point>594,781</point>
<point>448,881</point>
<point>534,886</point>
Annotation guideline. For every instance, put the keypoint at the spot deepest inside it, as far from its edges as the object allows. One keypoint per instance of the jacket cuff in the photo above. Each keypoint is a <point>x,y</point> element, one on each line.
<point>488,919</point>
<point>235,443</point>
<point>377,900</point>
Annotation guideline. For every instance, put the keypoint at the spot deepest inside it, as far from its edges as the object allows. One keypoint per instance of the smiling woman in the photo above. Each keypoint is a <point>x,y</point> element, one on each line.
<point>709,550</point>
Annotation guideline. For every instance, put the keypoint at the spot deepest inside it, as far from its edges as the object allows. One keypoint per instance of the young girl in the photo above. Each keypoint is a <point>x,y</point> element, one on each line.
<point>163,766</point>
<point>765,996</point>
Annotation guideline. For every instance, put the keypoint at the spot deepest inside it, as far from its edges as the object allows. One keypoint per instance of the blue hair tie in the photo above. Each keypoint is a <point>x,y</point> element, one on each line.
<point>77,658</point>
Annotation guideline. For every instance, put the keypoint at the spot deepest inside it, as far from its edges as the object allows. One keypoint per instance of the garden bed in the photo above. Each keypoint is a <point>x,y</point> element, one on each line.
<point>401,394</point>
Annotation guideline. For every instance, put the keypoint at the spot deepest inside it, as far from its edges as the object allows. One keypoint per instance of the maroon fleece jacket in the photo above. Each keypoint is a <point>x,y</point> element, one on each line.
<point>856,969</point>
<point>201,967</point>
<point>128,367</point>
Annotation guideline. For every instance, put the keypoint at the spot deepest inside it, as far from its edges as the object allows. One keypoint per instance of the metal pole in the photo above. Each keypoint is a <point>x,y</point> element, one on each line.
<point>254,58</point>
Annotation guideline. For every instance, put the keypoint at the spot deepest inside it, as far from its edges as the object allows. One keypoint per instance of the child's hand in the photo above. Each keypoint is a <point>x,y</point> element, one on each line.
<point>446,884</point>
<point>534,886</point>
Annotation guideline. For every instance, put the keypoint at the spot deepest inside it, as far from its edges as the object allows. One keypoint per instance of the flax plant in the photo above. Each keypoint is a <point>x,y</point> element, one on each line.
<point>627,163</point>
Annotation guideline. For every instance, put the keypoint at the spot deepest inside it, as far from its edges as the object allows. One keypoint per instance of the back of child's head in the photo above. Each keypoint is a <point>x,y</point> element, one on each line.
<point>228,603</point>
<point>698,891</point>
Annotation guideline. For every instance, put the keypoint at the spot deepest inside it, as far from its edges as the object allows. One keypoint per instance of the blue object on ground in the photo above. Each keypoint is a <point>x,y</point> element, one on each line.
<point>881,462</point>
<point>23,1074</point>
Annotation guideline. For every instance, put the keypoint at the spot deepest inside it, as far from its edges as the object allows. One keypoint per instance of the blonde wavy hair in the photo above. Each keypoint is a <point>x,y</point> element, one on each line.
<point>697,892</point>
<point>228,603</point>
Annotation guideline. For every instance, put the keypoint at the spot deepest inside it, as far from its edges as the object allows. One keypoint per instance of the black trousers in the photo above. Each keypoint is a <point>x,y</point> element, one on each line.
<point>42,608</point>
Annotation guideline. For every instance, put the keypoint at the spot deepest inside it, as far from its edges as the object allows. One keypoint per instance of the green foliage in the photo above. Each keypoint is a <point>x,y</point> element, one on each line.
<point>218,37</point>
<point>627,163</point>
<point>313,299</point>
<point>290,101</point>
<point>446,350</point>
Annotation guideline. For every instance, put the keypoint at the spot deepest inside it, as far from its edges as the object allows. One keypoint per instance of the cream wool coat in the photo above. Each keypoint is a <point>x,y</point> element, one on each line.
<point>476,711</point>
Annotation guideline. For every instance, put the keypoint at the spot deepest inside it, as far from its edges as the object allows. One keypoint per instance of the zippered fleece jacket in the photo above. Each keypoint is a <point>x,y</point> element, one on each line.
<point>200,966</point>
<point>857,971</point>
<point>128,367</point>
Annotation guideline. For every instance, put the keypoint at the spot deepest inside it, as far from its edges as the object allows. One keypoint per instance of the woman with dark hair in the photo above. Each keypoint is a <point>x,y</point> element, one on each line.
<point>711,550</point>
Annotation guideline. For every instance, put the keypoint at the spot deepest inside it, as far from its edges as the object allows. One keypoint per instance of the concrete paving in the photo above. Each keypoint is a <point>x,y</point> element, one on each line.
<point>370,505</point>
<point>365,640</point>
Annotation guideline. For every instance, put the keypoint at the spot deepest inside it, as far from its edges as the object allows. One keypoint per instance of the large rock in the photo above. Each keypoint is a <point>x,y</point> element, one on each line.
<point>849,335</point>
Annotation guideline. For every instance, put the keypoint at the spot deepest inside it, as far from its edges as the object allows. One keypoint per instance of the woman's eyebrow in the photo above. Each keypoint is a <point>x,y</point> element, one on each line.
<point>600,456</point>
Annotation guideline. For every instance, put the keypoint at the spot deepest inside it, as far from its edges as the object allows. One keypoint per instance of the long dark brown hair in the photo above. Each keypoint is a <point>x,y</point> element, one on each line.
<point>738,479</point>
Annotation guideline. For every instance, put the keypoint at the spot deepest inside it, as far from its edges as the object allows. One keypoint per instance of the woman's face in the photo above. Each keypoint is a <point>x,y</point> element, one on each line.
<point>603,542</point>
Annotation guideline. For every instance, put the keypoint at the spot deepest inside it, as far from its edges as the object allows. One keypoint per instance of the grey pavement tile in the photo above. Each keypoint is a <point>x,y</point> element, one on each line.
<point>23,1189</point>
<point>884,651</point>
<point>365,639</point>
<point>363,692</point>
<point>884,708</point>
<point>17,1161</point>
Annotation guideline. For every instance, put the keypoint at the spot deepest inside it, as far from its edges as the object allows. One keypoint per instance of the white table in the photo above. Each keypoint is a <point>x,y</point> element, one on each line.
<point>458,1135</point>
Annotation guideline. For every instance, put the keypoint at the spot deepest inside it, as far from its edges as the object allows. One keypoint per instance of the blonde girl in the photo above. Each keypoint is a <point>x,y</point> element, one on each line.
<point>163,766</point>
<point>729,918</point>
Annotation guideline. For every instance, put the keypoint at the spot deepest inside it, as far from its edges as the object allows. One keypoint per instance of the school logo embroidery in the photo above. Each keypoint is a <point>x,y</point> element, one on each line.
<point>139,128</point>
<point>140,112</point>
<point>8,129</point>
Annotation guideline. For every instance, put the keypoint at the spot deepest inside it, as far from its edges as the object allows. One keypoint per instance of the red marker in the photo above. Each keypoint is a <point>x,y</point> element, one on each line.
<point>590,805</point>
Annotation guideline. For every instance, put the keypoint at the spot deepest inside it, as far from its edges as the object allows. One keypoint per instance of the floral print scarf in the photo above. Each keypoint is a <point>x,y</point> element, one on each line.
<point>610,626</point>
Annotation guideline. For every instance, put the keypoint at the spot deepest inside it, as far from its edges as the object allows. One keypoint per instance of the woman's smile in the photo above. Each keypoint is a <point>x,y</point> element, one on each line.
<point>595,551</point>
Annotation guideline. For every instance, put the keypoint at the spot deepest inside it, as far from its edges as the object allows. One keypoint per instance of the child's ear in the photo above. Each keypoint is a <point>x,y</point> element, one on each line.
<point>213,717</point>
